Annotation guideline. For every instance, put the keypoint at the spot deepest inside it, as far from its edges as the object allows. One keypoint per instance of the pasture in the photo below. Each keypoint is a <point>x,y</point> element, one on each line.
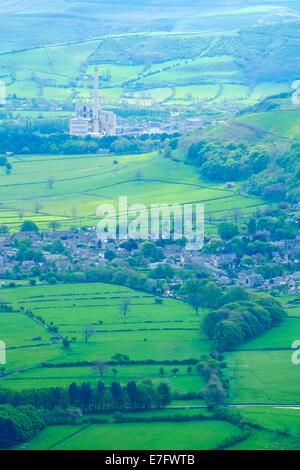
<point>283,419</point>
<point>281,337</point>
<point>197,435</point>
<point>156,436</point>
<point>81,183</point>
<point>263,377</point>
<point>262,371</point>
<point>41,377</point>
<point>284,123</point>
<point>23,334</point>
<point>168,331</point>
<point>159,332</point>
<point>264,440</point>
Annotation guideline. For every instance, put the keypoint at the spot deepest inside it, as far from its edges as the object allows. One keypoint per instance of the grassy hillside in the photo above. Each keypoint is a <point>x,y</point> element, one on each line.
<point>79,20</point>
<point>285,123</point>
<point>137,62</point>
<point>83,182</point>
<point>178,46</point>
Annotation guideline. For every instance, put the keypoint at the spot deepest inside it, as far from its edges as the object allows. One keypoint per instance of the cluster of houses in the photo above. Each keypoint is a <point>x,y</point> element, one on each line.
<point>218,265</point>
<point>81,251</point>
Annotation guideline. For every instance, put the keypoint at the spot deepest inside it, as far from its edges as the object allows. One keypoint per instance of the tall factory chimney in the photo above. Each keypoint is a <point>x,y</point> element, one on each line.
<point>96,111</point>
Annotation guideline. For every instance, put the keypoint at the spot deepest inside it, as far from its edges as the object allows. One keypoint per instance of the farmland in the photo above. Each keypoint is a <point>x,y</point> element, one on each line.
<point>48,73</point>
<point>144,344</point>
<point>84,182</point>
<point>157,332</point>
<point>273,353</point>
<point>194,435</point>
<point>63,72</point>
<point>150,331</point>
<point>179,436</point>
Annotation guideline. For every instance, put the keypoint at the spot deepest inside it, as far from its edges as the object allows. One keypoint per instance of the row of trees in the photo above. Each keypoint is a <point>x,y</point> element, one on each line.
<point>237,316</point>
<point>24,141</point>
<point>143,396</point>
<point>210,368</point>
<point>236,322</point>
<point>90,399</point>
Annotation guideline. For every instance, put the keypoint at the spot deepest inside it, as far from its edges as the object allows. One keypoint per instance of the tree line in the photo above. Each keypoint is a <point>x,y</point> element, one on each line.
<point>24,413</point>
<point>236,316</point>
<point>237,322</point>
<point>93,399</point>
<point>24,141</point>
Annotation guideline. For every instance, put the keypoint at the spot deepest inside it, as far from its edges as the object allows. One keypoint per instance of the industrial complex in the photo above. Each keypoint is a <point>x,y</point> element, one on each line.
<point>91,119</point>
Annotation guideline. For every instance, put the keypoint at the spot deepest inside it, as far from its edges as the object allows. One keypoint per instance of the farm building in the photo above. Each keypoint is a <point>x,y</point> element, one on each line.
<point>230,184</point>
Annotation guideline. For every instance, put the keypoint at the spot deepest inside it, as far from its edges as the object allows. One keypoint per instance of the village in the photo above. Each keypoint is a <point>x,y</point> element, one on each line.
<point>49,256</point>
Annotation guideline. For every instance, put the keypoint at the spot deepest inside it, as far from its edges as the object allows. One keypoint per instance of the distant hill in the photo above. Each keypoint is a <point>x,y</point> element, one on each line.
<point>36,22</point>
<point>221,56</point>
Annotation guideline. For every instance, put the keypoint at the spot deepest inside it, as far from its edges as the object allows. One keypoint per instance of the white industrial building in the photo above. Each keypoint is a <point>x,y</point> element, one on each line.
<point>91,119</point>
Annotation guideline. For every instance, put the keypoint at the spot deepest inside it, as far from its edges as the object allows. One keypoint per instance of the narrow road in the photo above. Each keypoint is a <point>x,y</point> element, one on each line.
<point>241,405</point>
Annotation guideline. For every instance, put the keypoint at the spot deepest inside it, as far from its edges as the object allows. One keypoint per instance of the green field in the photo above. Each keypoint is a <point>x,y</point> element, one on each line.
<point>269,89</point>
<point>279,419</point>
<point>150,331</point>
<point>26,330</point>
<point>167,331</point>
<point>156,436</point>
<point>263,377</point>
<point>53,377</point>
<point>218,62</point>
<point>196,92</point>
<point>263,372</point>
<point>283,419</point>
<point>283,123</point>
<point>162,436</point>
<point>281,337</point>
<point>84,182</point>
